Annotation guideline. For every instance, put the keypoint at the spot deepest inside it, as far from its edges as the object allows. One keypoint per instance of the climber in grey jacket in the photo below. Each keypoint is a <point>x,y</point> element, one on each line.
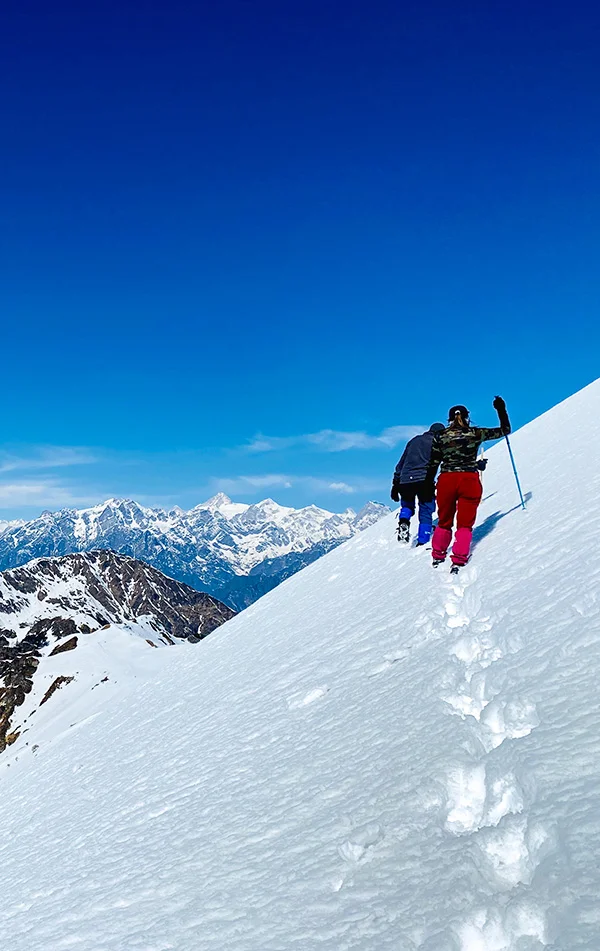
<point>411,482</point>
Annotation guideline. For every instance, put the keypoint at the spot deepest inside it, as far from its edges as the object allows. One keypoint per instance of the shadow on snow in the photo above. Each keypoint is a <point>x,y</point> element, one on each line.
<point>483,530</point>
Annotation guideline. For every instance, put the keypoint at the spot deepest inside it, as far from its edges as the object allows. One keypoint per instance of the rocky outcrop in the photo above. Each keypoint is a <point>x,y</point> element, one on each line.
<point>55,686</point>
<point>55,598</point>
<point>69,645</point>
<point>18,664</point>
<point>51,605</point>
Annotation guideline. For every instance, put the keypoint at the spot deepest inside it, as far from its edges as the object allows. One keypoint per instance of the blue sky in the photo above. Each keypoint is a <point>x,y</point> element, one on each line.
<point>252,245</point>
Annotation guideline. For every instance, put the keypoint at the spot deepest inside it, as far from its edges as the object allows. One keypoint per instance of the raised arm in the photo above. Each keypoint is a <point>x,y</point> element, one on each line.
<point>504,428</point>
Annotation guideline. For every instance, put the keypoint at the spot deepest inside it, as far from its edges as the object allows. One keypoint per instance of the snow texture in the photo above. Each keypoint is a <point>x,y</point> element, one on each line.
<point>376,755</point>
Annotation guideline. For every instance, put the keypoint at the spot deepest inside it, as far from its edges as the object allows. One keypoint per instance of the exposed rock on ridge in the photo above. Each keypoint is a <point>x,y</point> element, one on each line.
<point>48,606</point>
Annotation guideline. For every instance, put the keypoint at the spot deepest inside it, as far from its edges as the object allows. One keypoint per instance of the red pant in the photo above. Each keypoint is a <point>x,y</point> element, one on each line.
<point>458,493</point>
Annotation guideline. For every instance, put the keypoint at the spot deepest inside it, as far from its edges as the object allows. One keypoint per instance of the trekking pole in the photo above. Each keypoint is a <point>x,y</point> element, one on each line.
<point>481,464</point>
<point>512,459</point>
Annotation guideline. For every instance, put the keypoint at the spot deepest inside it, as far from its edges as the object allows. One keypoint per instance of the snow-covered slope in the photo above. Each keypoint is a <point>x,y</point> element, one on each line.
<point>233,551</point>
<point>54,606</point>
<point>375,756</point>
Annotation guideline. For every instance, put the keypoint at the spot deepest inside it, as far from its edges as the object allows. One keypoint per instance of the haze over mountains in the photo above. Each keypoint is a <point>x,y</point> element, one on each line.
<point>234,551</point>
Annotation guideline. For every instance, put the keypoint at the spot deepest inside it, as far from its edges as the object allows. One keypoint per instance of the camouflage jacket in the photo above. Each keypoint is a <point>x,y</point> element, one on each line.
<point>456,449</point>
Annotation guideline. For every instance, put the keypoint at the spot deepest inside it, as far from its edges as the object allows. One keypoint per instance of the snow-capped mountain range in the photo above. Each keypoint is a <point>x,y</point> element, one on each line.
<point>53,606</point>
<point>234,551</point>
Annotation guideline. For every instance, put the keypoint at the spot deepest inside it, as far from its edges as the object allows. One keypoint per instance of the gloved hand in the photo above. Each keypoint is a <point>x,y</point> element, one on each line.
<point>429,488</point>
<point>481,464</point>
<point>500,407</point>
<point>395,493</point>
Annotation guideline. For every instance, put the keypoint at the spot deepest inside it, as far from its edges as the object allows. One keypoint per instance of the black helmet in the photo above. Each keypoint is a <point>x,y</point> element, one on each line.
<point>464,412</point>
<point>436,427</point>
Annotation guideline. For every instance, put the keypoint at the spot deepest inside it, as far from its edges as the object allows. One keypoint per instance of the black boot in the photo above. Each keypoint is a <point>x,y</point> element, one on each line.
<point>403,531</point>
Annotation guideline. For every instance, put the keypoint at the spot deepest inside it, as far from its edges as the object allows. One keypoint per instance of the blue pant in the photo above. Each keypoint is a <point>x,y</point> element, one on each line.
<point>425,493</point>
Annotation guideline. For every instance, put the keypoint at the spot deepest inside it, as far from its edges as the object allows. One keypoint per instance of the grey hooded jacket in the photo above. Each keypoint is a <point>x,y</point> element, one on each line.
<point>414,462</point>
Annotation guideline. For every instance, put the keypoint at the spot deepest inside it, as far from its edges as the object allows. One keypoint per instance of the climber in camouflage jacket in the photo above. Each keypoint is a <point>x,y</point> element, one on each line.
<point>459,486</point>
<point>456,447</point>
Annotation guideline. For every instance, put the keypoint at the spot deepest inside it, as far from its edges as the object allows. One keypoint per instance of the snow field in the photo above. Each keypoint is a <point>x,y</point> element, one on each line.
<point>107,661</point>
<point>374,756</point>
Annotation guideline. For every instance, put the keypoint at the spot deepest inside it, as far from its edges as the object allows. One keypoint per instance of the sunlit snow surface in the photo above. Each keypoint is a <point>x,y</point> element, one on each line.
<point>374,756</point>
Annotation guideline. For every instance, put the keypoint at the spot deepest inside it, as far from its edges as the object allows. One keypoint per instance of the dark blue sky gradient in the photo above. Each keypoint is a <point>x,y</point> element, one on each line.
<point>239,217</point>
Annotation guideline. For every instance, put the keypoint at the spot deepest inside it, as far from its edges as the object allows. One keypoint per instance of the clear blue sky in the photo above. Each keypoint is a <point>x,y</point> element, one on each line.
<point>256,218</point>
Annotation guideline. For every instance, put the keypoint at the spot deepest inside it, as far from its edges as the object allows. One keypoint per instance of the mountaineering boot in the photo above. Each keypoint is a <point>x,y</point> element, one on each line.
<point>437,561</point>
<point>456,567</point>
<point>403,532</point>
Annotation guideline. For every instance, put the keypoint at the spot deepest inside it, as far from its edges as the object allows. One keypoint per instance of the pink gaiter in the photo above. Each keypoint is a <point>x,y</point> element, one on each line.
<point>462,546</point>
<point>440,541</point>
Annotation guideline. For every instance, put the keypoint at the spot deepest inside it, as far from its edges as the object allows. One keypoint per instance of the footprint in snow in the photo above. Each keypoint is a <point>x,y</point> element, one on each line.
<point>297,702</point>
<point>466,791</point>
<point>463,604</point>
<point>514,850</point>
<point>467,696</point>
<point>388,661</point>
<point>475,802</point>
<point>507,719</point>
<point>479,651</point>
<point>504,927</point>
<point>499,717</point>
<point>494,813</point>
<point>357,850</point>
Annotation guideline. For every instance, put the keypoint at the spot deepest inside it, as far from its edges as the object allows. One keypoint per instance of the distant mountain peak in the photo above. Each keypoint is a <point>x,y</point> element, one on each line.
<point>233,550</point>
<point>222,504</point>
<point>216,501</point>
<point>270,505</point>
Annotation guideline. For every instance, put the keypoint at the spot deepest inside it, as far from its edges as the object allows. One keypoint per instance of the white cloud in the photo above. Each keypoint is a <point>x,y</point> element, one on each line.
<point>44,491</point>
<point>271,443</point>
<point>46,457</point>
<point>266,481</point>
<point>253,485</point>
<point>333,440</point>
<point>44,494</point>
<point>341,487</point>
